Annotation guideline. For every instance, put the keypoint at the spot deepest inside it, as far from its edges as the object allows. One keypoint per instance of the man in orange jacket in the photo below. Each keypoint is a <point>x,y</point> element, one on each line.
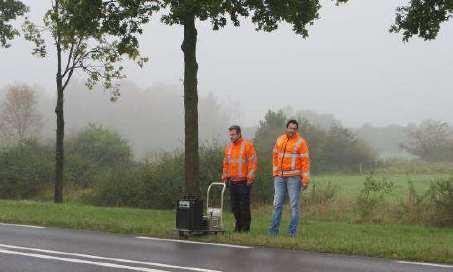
<point>239,168</point>
<point>291,172</point>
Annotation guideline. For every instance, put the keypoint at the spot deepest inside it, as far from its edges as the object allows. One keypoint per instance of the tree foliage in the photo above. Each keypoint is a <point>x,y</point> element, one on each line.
<point>422,18</point>
<point>19,117</point>
<point>431,141</point>
<point>91,37</point>
<point>9,11</point>
<point>266,15</point>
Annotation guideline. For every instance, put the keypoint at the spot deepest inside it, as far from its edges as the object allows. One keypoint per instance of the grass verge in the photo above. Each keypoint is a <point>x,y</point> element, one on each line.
<point>390,241</point>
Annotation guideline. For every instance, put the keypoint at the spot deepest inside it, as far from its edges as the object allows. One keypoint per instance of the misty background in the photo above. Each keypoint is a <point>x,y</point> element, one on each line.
<point>350,70</point>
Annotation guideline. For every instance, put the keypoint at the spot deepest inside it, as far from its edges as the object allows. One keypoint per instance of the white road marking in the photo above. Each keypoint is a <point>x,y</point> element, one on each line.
<point>24,226</point>
<point>427,264</point>
<point>193,242</point>
<point>107,259</point>
<point>80,261</point>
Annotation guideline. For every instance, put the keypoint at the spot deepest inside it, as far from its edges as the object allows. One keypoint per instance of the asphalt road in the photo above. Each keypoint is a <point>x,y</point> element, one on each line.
<point>27,248</point>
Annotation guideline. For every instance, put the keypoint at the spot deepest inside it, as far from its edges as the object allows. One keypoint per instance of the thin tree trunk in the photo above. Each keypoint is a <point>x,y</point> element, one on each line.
<point>191,107</point>
<point>59,158</point>
<point>59,148</point>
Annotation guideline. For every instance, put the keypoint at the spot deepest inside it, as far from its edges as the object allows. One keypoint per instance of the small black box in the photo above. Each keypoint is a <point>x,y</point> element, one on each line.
<point>189,214</point>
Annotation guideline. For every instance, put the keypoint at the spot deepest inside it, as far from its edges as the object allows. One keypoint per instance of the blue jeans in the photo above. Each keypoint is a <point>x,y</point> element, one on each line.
<point>292,185</point>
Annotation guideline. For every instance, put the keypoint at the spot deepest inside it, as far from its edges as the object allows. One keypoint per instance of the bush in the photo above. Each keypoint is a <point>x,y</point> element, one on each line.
<point>95,150</point>
<point>164,181</point>
<point>372,196</point>
<point>441,197</point>
<point>156,183</point>
<point>432,208</point>
<point>117,188</point>
<point>211,164</point>
<point>342,151</point>
<point>415,209</point>
<point>319,201</point>
<point>25,170</point>
<point>320,194</point>
<point>101,146</point>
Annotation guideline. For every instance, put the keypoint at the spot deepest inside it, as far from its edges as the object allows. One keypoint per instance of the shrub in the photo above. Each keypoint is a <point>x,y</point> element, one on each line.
<point>441,197</point>
<point>25,169</point>
<point>372,195</point>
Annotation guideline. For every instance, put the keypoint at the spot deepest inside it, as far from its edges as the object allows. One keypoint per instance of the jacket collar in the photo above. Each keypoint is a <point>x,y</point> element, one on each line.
<point>238,141</point>
<point>296,136</point>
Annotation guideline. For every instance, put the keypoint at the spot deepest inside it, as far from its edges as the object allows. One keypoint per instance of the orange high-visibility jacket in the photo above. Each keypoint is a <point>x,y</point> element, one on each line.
<point>240,161</point>
<point>290,158</point>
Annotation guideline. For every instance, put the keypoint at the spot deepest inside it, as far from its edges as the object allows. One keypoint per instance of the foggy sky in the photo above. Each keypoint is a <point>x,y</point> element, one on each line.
<point>350,66</point>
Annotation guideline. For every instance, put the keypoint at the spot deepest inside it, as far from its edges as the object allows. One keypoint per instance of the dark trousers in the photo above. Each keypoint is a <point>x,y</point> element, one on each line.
<point>240,205</point>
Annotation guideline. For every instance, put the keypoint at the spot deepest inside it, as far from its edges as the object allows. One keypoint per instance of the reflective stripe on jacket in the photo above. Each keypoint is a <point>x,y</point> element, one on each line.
<point>290,157</point>
<point>240,161</point>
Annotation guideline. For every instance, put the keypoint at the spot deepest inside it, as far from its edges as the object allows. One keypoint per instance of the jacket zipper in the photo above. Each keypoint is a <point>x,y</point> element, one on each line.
<point>284,152</point>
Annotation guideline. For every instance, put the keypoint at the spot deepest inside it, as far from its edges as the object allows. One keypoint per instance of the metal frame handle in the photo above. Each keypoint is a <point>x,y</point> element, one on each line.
<point>221,197</point>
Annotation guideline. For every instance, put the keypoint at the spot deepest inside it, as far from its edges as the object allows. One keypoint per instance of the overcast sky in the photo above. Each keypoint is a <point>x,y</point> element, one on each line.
<point>350,66</point>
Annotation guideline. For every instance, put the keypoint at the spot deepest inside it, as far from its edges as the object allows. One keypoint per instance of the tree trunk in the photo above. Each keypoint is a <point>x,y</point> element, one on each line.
<point>59,148</point>
<point>191,163</point>
<point>59,158</point>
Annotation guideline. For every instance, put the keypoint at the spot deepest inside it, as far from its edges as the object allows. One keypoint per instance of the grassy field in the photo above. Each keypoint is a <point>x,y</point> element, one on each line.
<point>391,241</point>
<point>350,186</point>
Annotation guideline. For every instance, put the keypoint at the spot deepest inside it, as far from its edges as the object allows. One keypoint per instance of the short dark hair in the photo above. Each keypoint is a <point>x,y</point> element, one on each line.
<point>236,128</point>
<point>292,122</point>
